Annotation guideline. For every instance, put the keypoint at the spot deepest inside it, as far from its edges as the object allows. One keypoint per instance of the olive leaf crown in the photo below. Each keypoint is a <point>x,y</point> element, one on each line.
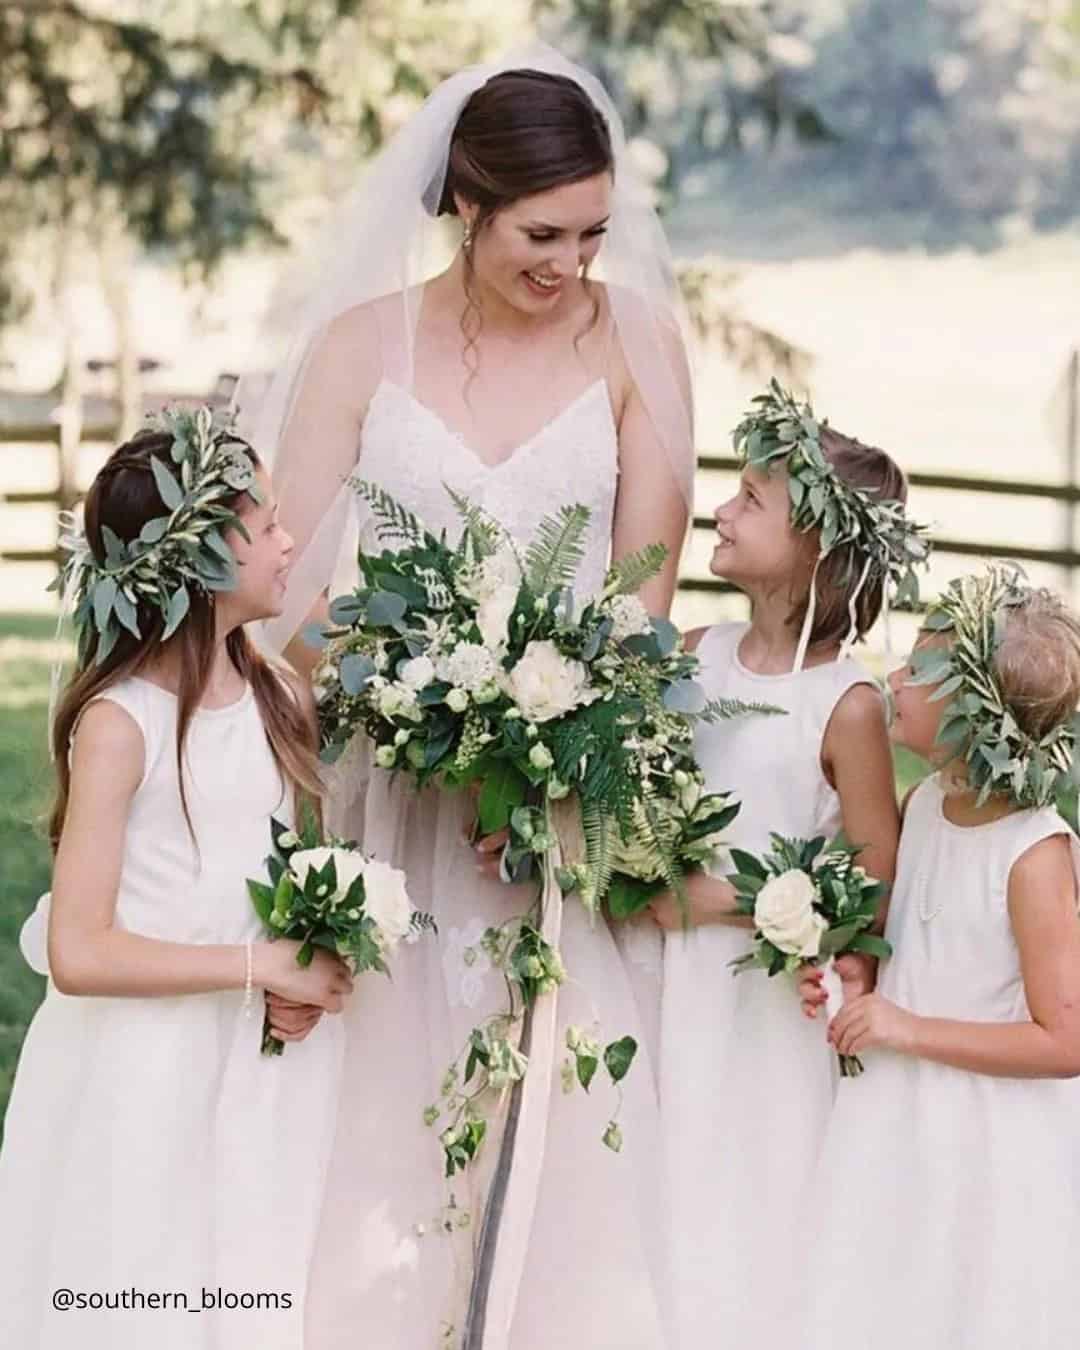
<point>781,431</point>
<point>182,549</point>
<point>973,611</point>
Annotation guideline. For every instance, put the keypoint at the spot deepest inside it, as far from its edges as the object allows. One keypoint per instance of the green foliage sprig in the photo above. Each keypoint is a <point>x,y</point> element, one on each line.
<point>182,549</point>
<point>978,724</point>
<point>782,432</point>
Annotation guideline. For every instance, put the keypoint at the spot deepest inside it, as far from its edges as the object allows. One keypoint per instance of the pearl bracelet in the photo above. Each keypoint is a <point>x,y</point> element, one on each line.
<point>249,979</point>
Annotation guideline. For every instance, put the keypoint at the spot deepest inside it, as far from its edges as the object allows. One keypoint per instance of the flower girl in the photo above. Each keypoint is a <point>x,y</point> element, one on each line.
<point>155,1165</point>
<point>815,535</point>
<point>946,1210</point>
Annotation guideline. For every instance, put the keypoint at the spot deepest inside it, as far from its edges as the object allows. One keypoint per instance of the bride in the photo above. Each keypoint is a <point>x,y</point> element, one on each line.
<point>515,376</point>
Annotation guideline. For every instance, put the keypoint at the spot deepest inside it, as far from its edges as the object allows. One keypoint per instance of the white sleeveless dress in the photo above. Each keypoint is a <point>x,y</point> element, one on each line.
<point>384,1274</point>
<point>149,1148</point>
<point>945,1213</point>
<point>746,1081</point>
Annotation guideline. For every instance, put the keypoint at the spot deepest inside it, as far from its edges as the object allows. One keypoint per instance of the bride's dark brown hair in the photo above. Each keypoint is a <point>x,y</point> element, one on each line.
<point>523,132</point>
<point>124,496</point>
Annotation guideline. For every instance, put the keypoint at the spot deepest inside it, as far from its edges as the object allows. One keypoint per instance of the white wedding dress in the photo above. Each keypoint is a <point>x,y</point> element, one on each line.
<point>385,1274</point>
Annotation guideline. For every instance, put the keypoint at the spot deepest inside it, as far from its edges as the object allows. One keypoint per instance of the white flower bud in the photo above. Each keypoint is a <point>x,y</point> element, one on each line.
<point>540,757</point>
<point>457,700</point>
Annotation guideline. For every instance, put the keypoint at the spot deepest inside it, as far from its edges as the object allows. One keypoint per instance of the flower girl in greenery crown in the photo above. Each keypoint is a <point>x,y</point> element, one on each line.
<point>815,535</point>
<point>946,1208</point>
<point>153,1162</point>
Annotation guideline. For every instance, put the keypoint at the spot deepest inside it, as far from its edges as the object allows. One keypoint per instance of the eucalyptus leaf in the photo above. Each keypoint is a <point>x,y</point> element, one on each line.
<point>126,613</point>
<point>179,603</point>
<point>356,672</point>
<point>385,609</point>
<point>104,594</point>
<point>172,494</point>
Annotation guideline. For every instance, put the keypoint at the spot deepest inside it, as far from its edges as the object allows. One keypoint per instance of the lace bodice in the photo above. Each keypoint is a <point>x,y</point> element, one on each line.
<point>411,452</point>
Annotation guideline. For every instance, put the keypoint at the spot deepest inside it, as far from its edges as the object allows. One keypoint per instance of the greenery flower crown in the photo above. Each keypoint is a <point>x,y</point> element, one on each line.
<point>183,548</point>
<point>978,723</point>
<point>779,430</point>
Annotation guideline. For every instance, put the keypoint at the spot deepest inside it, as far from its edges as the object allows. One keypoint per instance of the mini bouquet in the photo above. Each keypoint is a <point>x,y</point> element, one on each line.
<point>329,894</point>
<point>810,903</point>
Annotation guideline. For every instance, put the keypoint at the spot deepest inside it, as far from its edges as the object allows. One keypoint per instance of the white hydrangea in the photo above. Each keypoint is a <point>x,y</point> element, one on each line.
<point>469,666</point>
<point>417,673</point>
<point>629,617</point>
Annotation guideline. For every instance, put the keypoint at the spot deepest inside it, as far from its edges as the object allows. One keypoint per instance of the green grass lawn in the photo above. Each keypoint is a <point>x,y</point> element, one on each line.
<point>25,652</point>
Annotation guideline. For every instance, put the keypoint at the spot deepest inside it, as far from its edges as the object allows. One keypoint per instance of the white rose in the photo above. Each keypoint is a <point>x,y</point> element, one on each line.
<point>784,914</point>
<point>417,673</point>
<point>457,700</point>
<point>397,700</point>
<point>544,684</point>
<point>386,756</point>
<point>348,866</point>
<point>493,616</point>
<point>386,901</point>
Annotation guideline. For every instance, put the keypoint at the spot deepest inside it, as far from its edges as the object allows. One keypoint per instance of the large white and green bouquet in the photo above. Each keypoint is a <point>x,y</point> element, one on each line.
<point>324,892</point>
<point>478,664</point>
<point>810,903</point>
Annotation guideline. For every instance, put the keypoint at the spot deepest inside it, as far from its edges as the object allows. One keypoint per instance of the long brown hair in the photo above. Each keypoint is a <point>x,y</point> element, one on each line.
<point>124,496</point>
<point>866,467</point>
<point>523,132</point>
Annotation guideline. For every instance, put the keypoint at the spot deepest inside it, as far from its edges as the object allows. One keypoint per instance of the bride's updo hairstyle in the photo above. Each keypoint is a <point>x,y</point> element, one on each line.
<point>523,132</point>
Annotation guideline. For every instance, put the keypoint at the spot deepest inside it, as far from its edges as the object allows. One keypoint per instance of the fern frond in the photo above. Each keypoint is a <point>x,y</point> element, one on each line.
<point>555,554</point>
<point>438,593</point>
<point>629,574</point>
<point>723,709</point>
<point>481,534</point>
<point>658,839</point>
<point>599,831</point>
<point>394,521</point>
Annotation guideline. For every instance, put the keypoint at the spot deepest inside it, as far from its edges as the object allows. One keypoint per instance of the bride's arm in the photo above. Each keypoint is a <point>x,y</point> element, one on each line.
<point>650,506</point>
<point>317,453</point>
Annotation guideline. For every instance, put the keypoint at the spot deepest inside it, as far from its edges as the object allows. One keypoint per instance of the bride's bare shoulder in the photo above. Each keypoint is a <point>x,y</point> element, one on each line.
<point>350,355</point>
<point>358,330</point>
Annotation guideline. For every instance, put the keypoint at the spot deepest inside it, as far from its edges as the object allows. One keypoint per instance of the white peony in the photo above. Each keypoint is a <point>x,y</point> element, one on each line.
<point>348,866</point>
<point>469,666</point>
<point>417,673</point>
<point>386,901</point>
<point>493,617</point>
<point>544,684</point>
<point>784,914</point>
<point>629,617</point>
